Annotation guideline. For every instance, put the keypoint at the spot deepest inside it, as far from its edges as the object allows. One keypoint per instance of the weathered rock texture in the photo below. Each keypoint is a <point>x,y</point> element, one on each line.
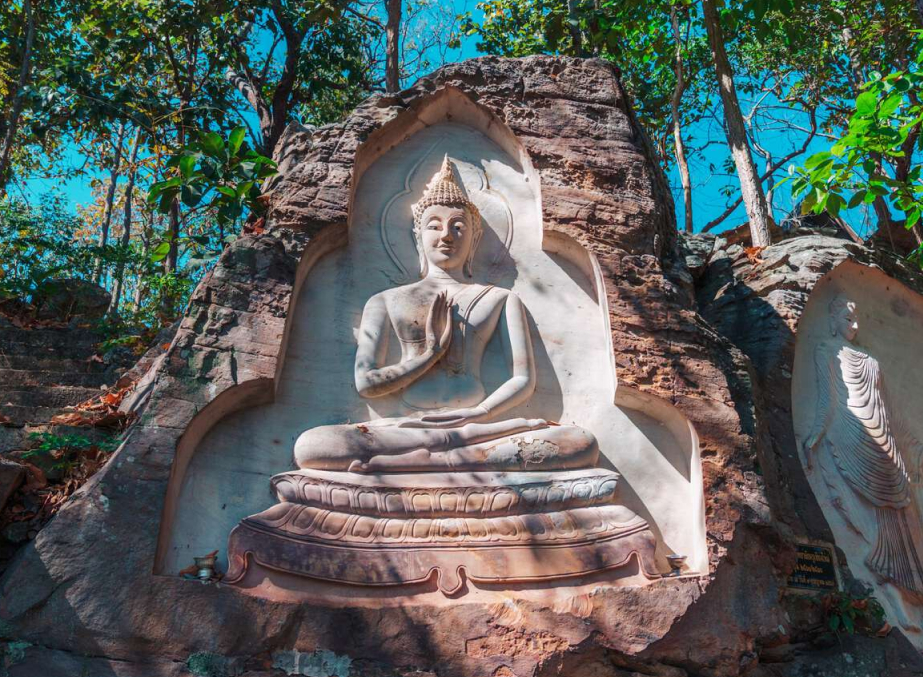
<point>757,304</point>
<point>85,584</point>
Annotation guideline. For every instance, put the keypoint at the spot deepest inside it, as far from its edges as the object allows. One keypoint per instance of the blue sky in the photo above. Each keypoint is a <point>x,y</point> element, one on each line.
<point>710,181</point>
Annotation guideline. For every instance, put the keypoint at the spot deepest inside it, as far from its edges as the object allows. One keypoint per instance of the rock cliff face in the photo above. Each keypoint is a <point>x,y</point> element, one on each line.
<point>705,336</point>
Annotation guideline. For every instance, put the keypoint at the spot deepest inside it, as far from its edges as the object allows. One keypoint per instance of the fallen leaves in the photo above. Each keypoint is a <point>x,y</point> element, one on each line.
<point>99,412</point>
<point>38,499</point>
<point>753,254</point>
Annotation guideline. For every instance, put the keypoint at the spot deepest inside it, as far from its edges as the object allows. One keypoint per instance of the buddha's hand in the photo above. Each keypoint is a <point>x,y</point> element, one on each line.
<point>810,446</point>
<point>454,418</point>
<point>439,325</point>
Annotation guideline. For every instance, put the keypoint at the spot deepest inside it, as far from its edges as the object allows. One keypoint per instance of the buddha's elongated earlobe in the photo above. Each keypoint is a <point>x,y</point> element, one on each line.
<point>424,264</point>
<point>476,234</point>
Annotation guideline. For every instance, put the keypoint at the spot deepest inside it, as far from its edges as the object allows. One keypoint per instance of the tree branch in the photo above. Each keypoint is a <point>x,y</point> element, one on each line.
<point>769,172</point>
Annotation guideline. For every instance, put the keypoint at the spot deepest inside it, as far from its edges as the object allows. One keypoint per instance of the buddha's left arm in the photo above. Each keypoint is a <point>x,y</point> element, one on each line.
<point>518,344</point>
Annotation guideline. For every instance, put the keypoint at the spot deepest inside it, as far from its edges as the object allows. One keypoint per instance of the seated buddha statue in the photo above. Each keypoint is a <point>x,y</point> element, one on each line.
<point>444,323</point>
<point>451,489</point>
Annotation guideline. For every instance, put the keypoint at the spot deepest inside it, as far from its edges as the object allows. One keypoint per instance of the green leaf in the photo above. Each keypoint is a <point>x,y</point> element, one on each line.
<point>157,189</point>
<point>912,217</point>
<point>243,188</point>
<point>866,103</point>
<point>166,200</point>
<point>856,199</point>
<point>817,159</point>
<point>889,105</point>
<point>159,253</point>
<point>213,144</point>
<point>834,623</point>
<point>809,201</point>
<point>192,194</point>
<point>849,624</point>
<point>187,165</point>
<point>236,139</point>
<point>210,169</point>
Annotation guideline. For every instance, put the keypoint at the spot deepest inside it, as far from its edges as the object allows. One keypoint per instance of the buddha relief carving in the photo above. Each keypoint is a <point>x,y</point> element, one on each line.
<point>452,490</point>
<point>859,427</point>
<point>444,323</point>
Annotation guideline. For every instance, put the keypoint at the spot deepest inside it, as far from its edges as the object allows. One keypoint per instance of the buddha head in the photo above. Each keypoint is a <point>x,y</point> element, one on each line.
<point>843,318</point>
<point>446,224</point>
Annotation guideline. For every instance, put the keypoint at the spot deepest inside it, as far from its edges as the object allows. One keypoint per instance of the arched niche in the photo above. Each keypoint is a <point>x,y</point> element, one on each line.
<point>221,476</point>
<point>876,418</point>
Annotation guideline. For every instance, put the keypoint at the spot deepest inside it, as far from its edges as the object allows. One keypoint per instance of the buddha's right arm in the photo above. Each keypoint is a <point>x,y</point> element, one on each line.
<point>371,379</point>
<point>824,363</point>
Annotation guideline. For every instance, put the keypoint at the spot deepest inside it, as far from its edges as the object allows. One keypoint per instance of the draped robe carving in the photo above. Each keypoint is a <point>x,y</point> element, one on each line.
<point>861,428</point>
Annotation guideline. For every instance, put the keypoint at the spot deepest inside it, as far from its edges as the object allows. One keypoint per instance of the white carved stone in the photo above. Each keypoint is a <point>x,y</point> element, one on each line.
<point>856,407</point>
<point>540,287</point>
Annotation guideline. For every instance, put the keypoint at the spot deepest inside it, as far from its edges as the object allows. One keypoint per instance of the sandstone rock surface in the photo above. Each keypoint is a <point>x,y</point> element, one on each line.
<point>85,584</point>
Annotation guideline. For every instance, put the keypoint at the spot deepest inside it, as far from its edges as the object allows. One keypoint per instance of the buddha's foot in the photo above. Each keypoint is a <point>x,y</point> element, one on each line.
<point>405,530</point>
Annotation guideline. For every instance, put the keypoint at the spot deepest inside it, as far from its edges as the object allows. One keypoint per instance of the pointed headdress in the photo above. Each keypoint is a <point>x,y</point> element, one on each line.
<point>444,190</point>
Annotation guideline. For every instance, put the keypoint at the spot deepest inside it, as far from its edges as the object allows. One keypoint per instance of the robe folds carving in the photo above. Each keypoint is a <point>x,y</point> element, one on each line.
<point>871,447</point>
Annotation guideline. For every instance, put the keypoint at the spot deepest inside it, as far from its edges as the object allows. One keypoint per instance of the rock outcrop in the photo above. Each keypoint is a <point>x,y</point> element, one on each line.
<point>698,328</point>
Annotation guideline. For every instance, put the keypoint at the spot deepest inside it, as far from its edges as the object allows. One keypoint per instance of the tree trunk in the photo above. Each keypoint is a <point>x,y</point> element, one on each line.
<point>171,261</point>
<point>574,27</point>
<point>393,36</point>
<point>25,72</point>
<point>110,200</point>
<point>145,252</point>
<point>680,147</point>
<point>126,224</point>
<point>750,187</point>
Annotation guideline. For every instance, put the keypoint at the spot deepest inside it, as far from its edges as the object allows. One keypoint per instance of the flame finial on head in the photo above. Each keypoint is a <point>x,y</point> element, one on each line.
<point>444,190</point>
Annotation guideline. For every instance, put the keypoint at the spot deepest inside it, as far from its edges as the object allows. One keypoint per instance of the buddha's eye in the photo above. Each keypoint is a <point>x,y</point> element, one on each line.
<point>433,225</point>
<point>458,226</point>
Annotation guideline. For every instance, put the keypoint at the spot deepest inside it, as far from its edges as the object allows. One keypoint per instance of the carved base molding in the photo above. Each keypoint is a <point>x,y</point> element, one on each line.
<point>406,530</point>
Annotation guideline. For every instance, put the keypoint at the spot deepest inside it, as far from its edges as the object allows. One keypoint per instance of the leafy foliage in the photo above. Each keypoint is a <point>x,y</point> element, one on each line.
<point>64,452</point>
<point>845,613</point>
<point>36,247</point>
<point>223,174</point>
<point>883,129</point>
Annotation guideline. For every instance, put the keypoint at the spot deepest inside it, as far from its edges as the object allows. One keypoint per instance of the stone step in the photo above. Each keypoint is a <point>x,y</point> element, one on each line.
<point>49,334</point>
<point>19,414</point>
<point>47,396</point>
<point>27,346</point>
<point>13,378</point>
<point>50,362</point>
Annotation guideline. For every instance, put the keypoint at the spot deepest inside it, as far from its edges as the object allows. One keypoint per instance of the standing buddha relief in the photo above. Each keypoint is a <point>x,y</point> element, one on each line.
<point>452,489</point>
<point>868,458</point>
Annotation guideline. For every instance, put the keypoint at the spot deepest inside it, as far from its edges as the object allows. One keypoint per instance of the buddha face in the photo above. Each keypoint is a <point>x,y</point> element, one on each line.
<point>446,236</point>
<point>847,322</point>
